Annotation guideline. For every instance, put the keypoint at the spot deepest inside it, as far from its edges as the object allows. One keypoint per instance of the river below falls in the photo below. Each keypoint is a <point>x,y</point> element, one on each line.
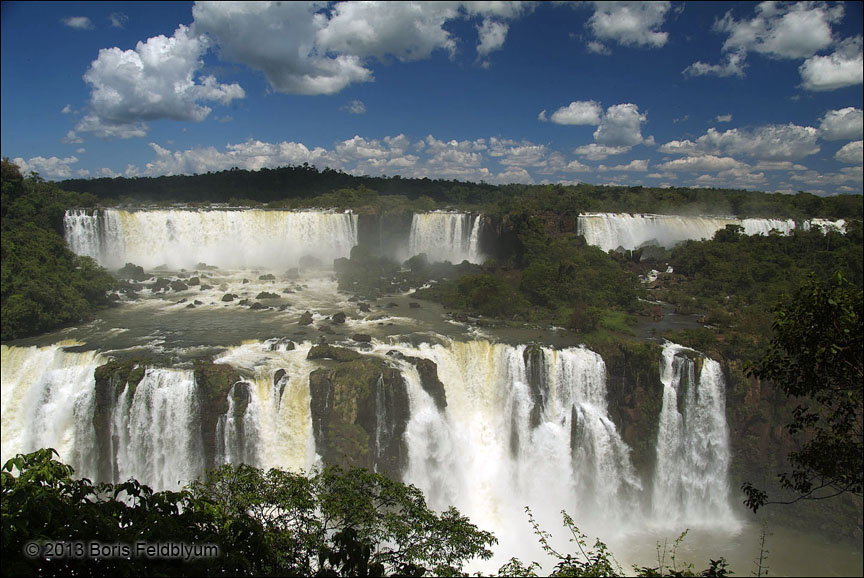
<point>196,322</point>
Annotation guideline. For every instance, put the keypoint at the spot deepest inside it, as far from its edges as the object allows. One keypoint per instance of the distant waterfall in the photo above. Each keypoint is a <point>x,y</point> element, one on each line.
<point>690,481</point>
<point>609,231</point>
<point>224,238</point>
<point>453,237</point>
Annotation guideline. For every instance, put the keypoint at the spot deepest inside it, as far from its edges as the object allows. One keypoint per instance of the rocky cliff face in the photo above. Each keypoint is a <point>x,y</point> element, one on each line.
<point>359,412</point>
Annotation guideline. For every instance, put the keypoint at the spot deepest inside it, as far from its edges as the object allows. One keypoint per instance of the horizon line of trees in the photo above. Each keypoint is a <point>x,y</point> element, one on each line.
<point>307,184</point>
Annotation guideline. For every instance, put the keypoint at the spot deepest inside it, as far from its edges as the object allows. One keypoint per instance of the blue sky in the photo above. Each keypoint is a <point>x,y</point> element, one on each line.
<point>763,96</point>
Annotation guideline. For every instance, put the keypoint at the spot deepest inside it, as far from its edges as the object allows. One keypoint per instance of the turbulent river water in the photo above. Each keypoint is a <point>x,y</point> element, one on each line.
<point>518,429</point>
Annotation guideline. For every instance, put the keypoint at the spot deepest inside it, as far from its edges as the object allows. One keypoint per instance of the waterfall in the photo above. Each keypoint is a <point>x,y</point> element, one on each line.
<point>501,444</point>
<point>522,425</point>
<point>278,409</point>
<point>453,237</point>
<point>225,238</point>
<point>690,480</point>
<point>609,231</point>
<point>158,430</point>
<point>237,431</point>
<point>47,402</point>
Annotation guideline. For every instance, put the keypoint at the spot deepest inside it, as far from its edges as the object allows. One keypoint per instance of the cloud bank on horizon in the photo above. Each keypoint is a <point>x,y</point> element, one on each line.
<point>761,96</point>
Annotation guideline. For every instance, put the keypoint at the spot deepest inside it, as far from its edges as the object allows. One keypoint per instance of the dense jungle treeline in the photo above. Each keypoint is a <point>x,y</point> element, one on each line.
<point>44,285</point>
<point>305,185</point>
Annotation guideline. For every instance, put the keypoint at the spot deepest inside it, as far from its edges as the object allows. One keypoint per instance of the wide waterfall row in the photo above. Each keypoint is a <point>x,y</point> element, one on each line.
<point>516,426</point>
<point>453,237</point>
<point>224,238</point>
<point>609,231</point>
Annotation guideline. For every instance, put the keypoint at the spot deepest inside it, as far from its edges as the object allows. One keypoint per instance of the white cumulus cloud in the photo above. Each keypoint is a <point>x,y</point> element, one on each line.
<point>51,168</point>
<point>735,65</point>
<point>596,152</point>
<point>788,142</point>
<point>156,80</point>
<point>787,30</point>
<point>491,34</point>
<point>845,67</point>
<point>354,107</point>
<point>584,112</point>
<point>621,126</point>
<point>630,23</point>
<point>852,153</point>
<point>844,124</point>
<point>79,22</point>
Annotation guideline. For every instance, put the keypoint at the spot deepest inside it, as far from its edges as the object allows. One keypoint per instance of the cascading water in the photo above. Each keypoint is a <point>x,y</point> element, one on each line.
<point>237,431</point>
<point>453,237</point>
<point>224,238</point>
<point>158,431</point>
<point>521,426</point>
<point>47,402</point>
<point>278,405</point>
<point>503,443</point>
<point>690,480</point>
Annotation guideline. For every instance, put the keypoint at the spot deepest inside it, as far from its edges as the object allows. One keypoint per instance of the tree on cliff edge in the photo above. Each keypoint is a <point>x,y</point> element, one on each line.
<point>816,357</point>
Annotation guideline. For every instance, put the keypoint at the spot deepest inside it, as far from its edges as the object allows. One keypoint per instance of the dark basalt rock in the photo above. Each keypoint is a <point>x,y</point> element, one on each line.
<point>267,295</point>
<point>338,317</point>
<point>428,371</point>
<point>305,318</point>
<point>110,380</point>
<point>359,414</point>
<point>325,351</point>
<point>228,297</point>
<point>267,277</point>
<point>161,284</point>
<point>215,381</point>
<point>362,338</point>
<point>132,271</point>
<point>179,286</point>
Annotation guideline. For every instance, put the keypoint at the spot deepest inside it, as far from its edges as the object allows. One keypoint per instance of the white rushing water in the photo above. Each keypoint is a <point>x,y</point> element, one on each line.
<point>453,237</point>
<point>181,238</point>
<point>158,431</point>
<point>504,443</point>
<point>522,426</point>
<point>47,395</point>
<point>690,480</point>
<point>609,231</point>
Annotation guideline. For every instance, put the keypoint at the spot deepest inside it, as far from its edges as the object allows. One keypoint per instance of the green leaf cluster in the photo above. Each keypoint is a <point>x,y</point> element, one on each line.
<point>277,523</point>
<point>816,358</point>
